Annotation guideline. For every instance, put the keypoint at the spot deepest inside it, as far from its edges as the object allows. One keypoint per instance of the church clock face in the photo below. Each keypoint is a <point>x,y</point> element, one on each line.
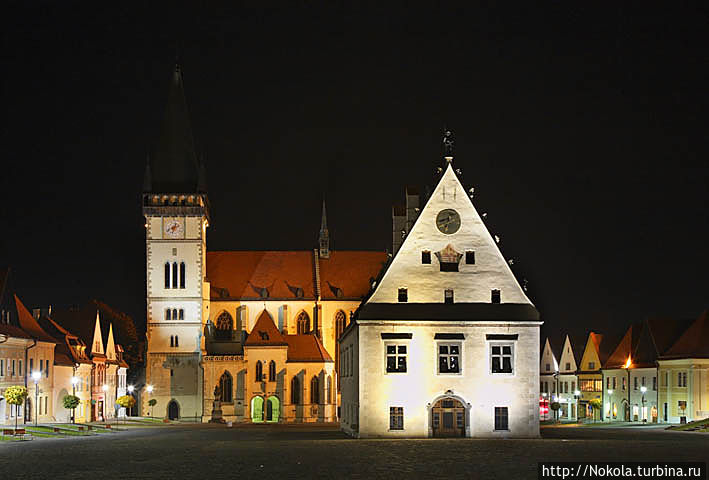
<point>448,221</point>
<point>173,228</point>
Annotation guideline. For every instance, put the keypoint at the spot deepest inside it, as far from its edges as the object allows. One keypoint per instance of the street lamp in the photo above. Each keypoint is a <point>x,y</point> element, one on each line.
<point>36,375</point>
<point>577,395</point>
<point>105,389</point>
<point>149,388</point>
<point>643,389</point>
<point>74,381</point>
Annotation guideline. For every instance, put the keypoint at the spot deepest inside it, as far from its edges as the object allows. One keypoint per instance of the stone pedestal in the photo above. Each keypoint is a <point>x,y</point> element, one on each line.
<point>217,412</point>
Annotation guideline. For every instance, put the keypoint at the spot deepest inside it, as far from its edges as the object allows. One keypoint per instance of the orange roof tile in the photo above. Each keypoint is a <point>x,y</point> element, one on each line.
<point>242,274</point>
<point>264,333</point>
<point>624,349</point>
<point>694,343</point>
<point>348,274</point>
<point>30,325</point>
<point>306,348</point>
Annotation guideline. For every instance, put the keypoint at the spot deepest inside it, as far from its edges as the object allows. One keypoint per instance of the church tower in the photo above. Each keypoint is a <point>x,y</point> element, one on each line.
<point>176,210</point>
<point>324,238</point>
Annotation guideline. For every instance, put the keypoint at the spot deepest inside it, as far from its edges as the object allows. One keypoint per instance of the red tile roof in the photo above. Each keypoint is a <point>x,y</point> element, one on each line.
<point>350,272</point>
<point>625,348</point>
<point>264,333</point>
<point>12,331</point>
<point>694,343</point>
<point>306,348</point>
<point>242,274</point>
<point>30,325</point>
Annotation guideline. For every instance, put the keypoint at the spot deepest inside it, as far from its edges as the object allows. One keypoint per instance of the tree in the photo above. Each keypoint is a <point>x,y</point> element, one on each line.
<point>555,406</point>
<point>151,403</point>
<point>595,405</point>
<point>126,401</point>
<point>16,396</point>
<point>71,402</point>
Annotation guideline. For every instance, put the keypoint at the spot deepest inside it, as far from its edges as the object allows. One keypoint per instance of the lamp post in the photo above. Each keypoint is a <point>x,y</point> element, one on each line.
<point>130,391</point>
<point>149,388</point>
<point>577,395</point>
<point>74,381</point>
<point>643,389</point>
<point>105,390</point>
<point>36,375</point>
<point>610,404</point>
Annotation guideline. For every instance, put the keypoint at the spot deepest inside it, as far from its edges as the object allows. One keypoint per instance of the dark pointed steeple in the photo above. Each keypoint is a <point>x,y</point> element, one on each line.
<point>174,166</point>
<point>324,239</point>
<point>148,176</point>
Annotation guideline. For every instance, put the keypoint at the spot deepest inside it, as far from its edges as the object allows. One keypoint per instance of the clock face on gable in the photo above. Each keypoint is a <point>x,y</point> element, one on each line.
<point>448,221</point>
<point>173,227</point>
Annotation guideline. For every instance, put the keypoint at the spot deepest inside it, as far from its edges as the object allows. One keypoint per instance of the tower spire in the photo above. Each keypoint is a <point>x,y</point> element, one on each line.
<point>324,239</point>
<point>448,144</point>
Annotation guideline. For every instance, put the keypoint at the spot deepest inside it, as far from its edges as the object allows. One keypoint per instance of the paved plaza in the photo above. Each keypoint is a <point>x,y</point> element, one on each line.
<point>306,451</point>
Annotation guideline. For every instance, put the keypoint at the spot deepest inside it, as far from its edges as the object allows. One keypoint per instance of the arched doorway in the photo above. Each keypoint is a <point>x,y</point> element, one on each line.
<point>273,409</point>
<point>173,410</point>
<point>448,418</point>
<point>257,409</point>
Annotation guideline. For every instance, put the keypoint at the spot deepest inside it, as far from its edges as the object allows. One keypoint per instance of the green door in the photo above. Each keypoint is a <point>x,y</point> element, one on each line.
<point>273,409</point>
<point>257,409</point>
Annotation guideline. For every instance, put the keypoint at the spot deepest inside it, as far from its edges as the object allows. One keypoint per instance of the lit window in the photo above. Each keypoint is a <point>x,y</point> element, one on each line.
<point>426,257</point>
<point>396,418</point>
<point>501,358</point>
<point>501,419</point>
<point>396,358</point>
<point>403,295</point>
<point>449,357</point>
<point>495,296</point>
<point>470,257</point>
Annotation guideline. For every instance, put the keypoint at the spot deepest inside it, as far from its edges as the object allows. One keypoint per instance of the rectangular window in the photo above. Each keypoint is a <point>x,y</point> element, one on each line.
<point>31,365</point>
<point>426,257</point>
<point>449,357</point>
<point>548,367</point>
<point>396,358</point>
<point>448,296</point>
<point>608,383</point>
<point>41,365</point>
<point>20,371</point>
<point>396,418</point>
<point>495,296</point>
<point>182,314</point>
<point>501,358</point>
<point>13,367</point>
<point>643,382</point>
<point>403,295</point>
<point>682,379</point>
<point>586,385</point>
<point>470,257</point>
<point>501,420</point>
<point>2,367</point>
<point>654,383</point>
<point>591,365</point>
<point>573,387</point>
<point>568,366</point>
<point>449,267</point>
<point>635,383</point>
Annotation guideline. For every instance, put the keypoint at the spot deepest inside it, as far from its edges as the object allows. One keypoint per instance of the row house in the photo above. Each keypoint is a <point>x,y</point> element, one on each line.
<point>559,382</point>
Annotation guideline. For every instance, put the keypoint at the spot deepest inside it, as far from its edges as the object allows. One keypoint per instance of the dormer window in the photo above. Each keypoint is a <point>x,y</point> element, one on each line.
<point>426,257</point>
<point>403,295</point>
<point>495,296</point>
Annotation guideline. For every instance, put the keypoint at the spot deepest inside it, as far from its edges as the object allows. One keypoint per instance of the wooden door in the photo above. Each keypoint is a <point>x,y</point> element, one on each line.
<point>448,418</point>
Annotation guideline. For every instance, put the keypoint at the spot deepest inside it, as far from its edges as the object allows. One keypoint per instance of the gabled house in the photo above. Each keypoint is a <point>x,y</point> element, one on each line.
<point>567,390</point>
<point>590,378</point>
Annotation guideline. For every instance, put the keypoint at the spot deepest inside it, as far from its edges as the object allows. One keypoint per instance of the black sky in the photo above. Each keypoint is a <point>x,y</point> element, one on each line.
<point>582,129</point>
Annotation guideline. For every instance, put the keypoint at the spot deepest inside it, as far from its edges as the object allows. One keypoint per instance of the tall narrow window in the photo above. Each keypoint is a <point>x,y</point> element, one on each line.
<point>225,385</point>
<point>259,371</point>
<point>182,314</point>
<point>396,418</point>
<point>168,314</point>
<point>177,341</point>
<point>315,390</point>
<point>403,295</point>
<point>495,296</point>
<point>449,358</point>
<point>448,296</point>
<point>295,391</point>
<point>272,371</point>
<point>182,274</point>
<point>225,324</point>
<point>426,257</point>
<point>396,358</point>
<point>174,314</point>
<point>303,323</point>
<point>174,275</point>
<point>172,341</point>
<point>340,319</point>
<point>501,358</point>
<point>329,389</point>
<point>470,257</point>
<point>501,419</point>
<point>167,275</point>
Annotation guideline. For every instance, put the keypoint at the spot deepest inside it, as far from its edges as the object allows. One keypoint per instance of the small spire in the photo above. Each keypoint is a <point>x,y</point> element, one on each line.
<point>324,240</point>
<point>448,144</point>
<point>323,221</point>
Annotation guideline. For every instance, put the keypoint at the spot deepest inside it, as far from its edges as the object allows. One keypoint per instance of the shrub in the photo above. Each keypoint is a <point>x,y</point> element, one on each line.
<point>126,401</point>
<point>71,401</point>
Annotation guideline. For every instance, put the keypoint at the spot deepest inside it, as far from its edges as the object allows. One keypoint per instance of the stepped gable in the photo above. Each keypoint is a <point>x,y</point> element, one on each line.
<point>694,342</point>
<point>265,333</point>
<point>350,271</point>
<point>306,348</point>
<point>239,274</point>
<point>29,325</point>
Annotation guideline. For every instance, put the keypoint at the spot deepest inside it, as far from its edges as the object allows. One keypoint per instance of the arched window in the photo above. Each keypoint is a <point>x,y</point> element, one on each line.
<point>225,384</point>
<point>182,274</point>
<point>174,314</point>
<point>340,321</point>
<point>329,389</point>
<point>168,315</point>
<point>303,323</point>
<point>295,391</point>
<point>225,324</point>
<point>167,275</point>
<point>172,341</point>
<point>182,314</point>
<point>314,390</point>
<point>272,371</point>
<point>259,371</point>
<point>174,274</point>
<point>177,341</point>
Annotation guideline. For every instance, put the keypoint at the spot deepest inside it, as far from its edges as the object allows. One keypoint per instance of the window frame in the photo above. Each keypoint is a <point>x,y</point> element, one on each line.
<point>497,428</point>
<point>402,292</point>
<point>394,414</point>
<point>501,343</point>
<point>448,343</point>
<point>396,345</point>
<point>425,257</point>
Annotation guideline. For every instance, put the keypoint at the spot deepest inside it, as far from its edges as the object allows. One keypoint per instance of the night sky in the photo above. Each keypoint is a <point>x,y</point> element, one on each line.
<point>582,129</point>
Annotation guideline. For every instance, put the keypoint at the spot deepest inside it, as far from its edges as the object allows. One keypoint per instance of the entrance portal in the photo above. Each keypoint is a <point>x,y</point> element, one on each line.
<point>257,409</point>
<point>272,409</point>
<point>173,410</point>
<point>448,418</point>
